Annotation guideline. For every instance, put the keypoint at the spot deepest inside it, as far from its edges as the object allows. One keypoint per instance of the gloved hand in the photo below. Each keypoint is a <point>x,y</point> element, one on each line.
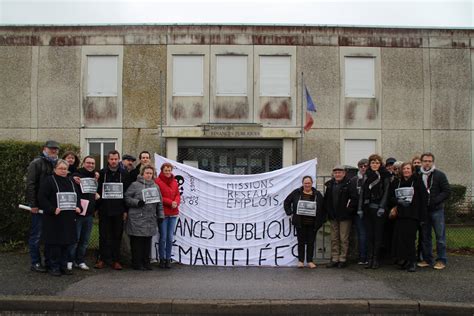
<point>360,213</point>
<point>380,212</point>
<point>141,203</point>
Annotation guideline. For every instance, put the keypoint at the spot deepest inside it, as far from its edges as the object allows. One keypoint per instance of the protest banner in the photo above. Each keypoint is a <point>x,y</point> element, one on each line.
<point>236,220</point>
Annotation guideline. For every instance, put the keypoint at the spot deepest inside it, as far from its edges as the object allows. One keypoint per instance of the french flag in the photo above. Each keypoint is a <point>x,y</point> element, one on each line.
<point>310,107</point>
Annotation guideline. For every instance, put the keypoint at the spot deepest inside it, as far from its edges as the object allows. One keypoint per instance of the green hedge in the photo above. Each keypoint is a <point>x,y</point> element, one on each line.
<point>455,201</point>
<point>15,157</point>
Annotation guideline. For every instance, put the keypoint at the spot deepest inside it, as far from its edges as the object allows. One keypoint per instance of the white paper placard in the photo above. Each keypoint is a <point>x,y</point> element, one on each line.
<point>112,190</point>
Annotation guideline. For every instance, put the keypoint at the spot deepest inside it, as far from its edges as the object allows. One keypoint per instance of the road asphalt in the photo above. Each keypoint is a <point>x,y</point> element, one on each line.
<point>455,284</point>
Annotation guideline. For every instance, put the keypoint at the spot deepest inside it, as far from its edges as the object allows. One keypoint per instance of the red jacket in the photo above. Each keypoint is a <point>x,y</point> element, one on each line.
<point>169,192</point>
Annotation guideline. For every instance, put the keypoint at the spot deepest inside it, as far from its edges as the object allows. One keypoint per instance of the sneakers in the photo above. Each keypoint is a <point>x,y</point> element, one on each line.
<point>311,265</point>
<point>423,264</point>
<point>362,262</point>
<point>439,265</point>
<point>117,266</point>
<point>69,266</point>
<point>99,264</point>
<point>83,266</point>
<point>38,268</point>
<point>300,264</point>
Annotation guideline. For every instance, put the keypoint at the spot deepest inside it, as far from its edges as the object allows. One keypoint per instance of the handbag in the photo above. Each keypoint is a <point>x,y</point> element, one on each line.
<point>393,213</point>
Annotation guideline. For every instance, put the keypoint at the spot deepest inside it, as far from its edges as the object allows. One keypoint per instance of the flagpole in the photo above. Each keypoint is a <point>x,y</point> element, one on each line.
<point>302,117</point>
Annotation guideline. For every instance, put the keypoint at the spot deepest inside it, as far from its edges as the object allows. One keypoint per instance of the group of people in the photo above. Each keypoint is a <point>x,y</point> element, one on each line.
<point>64,198</point>
<point>388,204</point>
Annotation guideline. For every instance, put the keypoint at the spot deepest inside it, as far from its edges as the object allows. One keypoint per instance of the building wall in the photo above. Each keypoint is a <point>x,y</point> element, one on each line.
<point>423,95</point>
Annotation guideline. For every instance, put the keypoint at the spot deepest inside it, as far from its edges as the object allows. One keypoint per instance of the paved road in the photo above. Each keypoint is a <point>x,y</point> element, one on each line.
<point>455,284</point>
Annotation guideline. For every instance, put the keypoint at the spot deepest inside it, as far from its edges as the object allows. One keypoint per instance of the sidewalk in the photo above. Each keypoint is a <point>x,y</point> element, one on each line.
<point>185,286</point>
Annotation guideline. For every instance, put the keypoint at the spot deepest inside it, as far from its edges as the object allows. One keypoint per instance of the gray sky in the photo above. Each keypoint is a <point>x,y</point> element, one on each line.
<point>420,13</point>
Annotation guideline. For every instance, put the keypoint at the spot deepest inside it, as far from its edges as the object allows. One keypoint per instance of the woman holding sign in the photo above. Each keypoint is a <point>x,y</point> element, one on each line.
<point>171,198</point>
<point>143,198</point>
<point>59,198</point>
<point>408,198</point>
<point>306,206</point>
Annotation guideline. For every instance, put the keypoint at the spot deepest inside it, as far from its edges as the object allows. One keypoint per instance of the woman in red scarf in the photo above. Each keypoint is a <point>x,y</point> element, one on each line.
<point>171,198</point>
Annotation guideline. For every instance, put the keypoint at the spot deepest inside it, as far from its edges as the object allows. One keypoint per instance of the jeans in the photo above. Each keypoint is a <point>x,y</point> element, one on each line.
<point>166,236</point>
<point>435,221</point>
<point>361,237</point>
<point>35,237</point>
<point>77,251</point>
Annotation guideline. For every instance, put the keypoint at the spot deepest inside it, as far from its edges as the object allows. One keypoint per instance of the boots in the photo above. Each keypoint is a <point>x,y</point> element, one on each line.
<point>162,263</point>
<point>370,262</point>
<point>411,267</point>
<point>168,264</point>
<point>375,263</point>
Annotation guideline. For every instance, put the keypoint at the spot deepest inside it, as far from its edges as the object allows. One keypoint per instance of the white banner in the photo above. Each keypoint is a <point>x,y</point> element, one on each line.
<point>236,220</point>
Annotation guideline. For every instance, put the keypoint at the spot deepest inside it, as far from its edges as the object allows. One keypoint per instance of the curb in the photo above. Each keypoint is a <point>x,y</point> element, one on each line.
<point>12,305</point>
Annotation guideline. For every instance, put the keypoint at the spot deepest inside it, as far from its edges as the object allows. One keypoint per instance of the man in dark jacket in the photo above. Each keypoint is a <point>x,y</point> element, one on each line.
<point>437,186</point>
<point>39,168</point>
<point>113,182</point>
<point>340,207</point>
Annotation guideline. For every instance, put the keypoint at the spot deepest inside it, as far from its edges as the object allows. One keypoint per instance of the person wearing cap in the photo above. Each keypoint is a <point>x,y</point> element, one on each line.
<point>340,208</point>
<point>40,168</point>
<point>389,167</point>
<point>127,162</point>
<point>373,203</point>
<point>356,186</point>
<point>305,205</point>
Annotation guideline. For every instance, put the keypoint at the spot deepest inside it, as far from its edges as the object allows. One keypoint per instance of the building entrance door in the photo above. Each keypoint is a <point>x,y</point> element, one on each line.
<point>231,156</point>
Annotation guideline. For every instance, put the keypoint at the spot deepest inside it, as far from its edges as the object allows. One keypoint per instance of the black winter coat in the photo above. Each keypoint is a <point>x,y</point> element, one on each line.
<point>38,169</point>
<point>57,229</point>
<point>135,173</point>
<point>439,190</point>
<point>356,184</point>
<point>112,207</point>
<point>83,173</point>
<point>291,204</point>
<point>377,195</point>
<point>417,210</point>
<point>346,200</point>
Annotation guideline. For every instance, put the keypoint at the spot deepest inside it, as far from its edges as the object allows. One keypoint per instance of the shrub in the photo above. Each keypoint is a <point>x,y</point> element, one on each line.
<point>15,157</point>
<point>454,202</point>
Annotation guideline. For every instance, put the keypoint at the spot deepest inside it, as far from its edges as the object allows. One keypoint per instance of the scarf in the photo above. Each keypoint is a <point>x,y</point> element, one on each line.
<point>376,181</point>
<point>425,176</point>
<point>50,159</point>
